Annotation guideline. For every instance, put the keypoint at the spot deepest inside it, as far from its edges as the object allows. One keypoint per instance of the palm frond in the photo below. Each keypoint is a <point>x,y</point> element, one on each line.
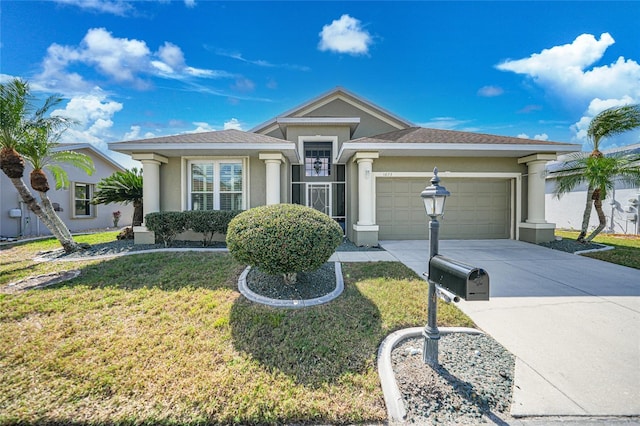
<point>75,159</point>
<point>613,121</point>
<point>120,187</point>
<point>60,176</point>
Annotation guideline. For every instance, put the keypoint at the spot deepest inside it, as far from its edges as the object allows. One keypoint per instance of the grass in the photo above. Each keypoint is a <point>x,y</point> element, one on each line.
<point>165,338</point>
<point>626,252</point>
<point>16,260</point>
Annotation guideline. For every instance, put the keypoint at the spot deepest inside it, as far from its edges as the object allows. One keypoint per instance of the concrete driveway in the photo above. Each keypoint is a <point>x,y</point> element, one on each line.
<point>573,323</point>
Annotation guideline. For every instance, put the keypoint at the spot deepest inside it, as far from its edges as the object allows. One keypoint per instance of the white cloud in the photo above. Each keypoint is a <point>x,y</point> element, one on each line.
<point>234,123</point>
<point>562,71</point>
<point>567,72</point>
<point>345,35</point>
<point>120,59</point>
<point>94,114</point>
<point>135,134</point>
<point>490,91</point>
<point>244,85</point>
<point>259,62</point>
<point>540,137</point>
<point>596,106</point>
<point>201,127</point>
<point>444,123</point>
<point>114,7</point>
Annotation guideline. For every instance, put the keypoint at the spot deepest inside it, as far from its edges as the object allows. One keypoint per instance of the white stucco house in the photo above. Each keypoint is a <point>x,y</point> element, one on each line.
<point>360,164</point>
<point>622,205</point>
<point>72,204</point>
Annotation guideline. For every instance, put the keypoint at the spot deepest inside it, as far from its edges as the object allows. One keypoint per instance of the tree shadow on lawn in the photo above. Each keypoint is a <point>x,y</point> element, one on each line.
<point>314,345</point>
<point>170,271</point>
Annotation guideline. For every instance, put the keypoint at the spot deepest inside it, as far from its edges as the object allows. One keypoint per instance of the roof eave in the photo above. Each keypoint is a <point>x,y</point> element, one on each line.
<point>90,147</point>
<point>201,149</point>
<point>453,149</point>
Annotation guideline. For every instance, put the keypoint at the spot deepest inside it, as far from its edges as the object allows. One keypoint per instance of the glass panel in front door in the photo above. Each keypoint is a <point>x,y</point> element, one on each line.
<point>319,197</point>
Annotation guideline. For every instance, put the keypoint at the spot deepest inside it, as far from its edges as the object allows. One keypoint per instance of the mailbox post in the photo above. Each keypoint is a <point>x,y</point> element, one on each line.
<point>434,197</point>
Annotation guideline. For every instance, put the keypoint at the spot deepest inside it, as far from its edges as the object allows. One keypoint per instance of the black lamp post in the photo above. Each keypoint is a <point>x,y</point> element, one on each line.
<point>434,197</point>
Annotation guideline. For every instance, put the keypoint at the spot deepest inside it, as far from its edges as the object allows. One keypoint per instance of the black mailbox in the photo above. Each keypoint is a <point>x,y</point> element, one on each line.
<point>466,281</point>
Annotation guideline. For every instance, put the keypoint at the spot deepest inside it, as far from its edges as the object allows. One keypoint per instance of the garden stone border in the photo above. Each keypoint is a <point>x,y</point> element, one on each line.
<point>244,289</point>
<point>393,399</point>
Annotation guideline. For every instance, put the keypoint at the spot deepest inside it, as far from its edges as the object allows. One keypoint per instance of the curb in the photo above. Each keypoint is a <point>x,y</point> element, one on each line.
<point>393,399</point>
<point>604,248</point>
<point>243,288</point>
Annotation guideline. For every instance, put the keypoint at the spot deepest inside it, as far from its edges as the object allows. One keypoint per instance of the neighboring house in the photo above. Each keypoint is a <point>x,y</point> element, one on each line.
<point>622,205</point>
<point>72,204</point>
<point>361,165</point>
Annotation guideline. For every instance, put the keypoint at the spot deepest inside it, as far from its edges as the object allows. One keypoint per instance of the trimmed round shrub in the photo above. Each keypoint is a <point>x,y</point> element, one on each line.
<point>283,239</point>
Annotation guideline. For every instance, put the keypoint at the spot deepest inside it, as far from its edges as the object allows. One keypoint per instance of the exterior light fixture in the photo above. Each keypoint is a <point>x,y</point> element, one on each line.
<point>317,165</point>
<point>434,197</point>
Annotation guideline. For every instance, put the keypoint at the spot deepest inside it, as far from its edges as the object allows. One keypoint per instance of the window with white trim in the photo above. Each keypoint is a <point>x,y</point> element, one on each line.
<point>82,193</point>
<point>216,185</point>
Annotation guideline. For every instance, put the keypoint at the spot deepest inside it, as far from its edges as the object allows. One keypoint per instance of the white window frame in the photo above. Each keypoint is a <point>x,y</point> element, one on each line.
<point>92,208</point>
<point>318,138</point>
<point>216,161</point>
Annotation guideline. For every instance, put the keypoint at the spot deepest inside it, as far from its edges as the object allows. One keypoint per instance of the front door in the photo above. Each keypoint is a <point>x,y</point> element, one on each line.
<point>319,197</point>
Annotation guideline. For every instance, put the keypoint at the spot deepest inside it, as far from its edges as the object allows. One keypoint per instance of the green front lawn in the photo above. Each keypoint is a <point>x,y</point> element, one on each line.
<point>166,338</point>
<point>626,252</point>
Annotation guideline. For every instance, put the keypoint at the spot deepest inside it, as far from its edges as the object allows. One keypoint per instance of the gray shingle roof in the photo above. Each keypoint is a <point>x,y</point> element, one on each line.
<point>219,136</point>
<point>424,135</point>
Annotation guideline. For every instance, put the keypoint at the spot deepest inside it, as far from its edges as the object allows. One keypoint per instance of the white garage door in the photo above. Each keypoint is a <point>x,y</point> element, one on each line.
<point>476,209</point>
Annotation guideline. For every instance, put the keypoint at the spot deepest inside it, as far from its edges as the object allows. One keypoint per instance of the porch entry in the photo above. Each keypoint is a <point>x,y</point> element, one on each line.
<point>319,183</point>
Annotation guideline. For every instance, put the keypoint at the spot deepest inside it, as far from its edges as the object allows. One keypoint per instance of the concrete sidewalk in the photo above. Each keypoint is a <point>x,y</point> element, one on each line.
<point>572,322</point>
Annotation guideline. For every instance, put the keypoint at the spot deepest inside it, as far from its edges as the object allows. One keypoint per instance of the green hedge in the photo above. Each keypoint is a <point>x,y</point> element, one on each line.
<point>283,238</point>
<point>167,225</point>
<point>210,222</point>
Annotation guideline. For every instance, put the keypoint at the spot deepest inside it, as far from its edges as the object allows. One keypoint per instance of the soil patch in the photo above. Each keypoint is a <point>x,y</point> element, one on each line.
<point>39,281</point>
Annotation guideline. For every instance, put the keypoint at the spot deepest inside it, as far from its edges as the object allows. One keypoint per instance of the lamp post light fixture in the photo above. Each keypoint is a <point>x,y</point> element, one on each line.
<point>434,197</point>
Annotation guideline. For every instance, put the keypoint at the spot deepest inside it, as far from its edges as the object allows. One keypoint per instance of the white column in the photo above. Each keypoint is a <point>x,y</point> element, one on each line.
<point>366,194</point>
<point>151,180</point>
<point>536,229</point>
<point>150,186</point>
<point>535,200</point>
<point>273,182</point>
<point>365,191</point>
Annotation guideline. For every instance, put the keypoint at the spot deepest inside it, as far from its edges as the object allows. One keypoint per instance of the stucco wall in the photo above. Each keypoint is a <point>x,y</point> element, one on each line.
<point>369,125</point>
<point>29,225</point>
<point>170,185</point>
<point>567,211</point>
<point>173,192</point>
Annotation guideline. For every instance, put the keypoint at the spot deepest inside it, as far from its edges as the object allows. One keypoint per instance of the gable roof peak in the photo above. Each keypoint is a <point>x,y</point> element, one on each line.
<point>337,92</point>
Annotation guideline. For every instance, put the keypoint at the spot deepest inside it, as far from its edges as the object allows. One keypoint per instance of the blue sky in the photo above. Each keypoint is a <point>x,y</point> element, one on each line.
<point>135,69</point>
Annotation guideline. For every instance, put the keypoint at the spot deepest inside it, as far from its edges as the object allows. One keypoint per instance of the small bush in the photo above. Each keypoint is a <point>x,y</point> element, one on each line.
<point>166,225</point>
<point>283,239</point>
<point>209,222</point>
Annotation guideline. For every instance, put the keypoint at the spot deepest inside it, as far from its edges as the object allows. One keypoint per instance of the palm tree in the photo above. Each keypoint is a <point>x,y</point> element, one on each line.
<point>122,187</point>
<point>601,172</point>
<point>21,126</point>
<point>38,151</point>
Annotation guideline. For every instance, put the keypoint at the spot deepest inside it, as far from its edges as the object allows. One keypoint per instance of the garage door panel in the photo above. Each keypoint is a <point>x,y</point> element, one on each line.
<point>476,209</point>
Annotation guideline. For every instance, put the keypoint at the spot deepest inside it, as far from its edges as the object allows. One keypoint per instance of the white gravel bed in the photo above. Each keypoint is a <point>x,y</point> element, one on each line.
<point>472,385</point>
